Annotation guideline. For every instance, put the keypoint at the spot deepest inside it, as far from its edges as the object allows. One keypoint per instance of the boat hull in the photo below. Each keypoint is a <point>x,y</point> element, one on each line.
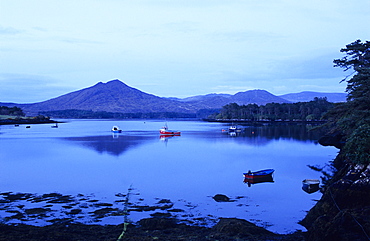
<point>170,133</point>
<point>259,174</point>
<point>116,129</point>
<point>310,185</point>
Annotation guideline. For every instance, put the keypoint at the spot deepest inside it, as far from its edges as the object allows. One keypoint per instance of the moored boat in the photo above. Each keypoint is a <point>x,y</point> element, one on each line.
<point>259,174</point>
<point>116,129</point>
<point>233,130</point>
<point>310,185</point>
<point>165,131</point>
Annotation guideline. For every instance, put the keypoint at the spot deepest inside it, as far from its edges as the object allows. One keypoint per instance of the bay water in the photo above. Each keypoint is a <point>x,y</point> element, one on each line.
<point>84,159</point>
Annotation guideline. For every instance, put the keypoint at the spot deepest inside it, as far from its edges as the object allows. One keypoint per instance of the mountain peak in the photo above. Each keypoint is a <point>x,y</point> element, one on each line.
<point>116,82</point>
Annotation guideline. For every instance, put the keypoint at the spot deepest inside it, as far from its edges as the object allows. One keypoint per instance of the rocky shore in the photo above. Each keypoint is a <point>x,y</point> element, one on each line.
<point>343,212</point>
<point>146,229</point>
<point>26,121</point>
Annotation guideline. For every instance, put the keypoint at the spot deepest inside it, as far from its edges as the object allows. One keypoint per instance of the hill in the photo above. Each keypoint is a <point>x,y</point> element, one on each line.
<point>259,97</point>
<point>117,97</point>
<point>306,96</point>
<point>113,96</point>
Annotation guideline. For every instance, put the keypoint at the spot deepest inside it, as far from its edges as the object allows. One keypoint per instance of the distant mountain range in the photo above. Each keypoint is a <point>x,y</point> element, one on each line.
<point>116,96</point>
<point>309,95</point>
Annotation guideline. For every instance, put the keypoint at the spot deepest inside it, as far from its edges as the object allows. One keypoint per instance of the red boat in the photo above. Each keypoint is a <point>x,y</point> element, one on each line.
<point>165,131</point>
<point>259,174</point>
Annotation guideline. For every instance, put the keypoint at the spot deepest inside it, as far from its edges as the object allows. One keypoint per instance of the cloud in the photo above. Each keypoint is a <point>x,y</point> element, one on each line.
<point>9,31</point>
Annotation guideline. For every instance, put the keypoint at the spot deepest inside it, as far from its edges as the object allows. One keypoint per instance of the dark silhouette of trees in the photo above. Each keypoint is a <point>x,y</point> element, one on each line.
<point>301,111</point>
<point>352,118</point>
<point>12,111</point>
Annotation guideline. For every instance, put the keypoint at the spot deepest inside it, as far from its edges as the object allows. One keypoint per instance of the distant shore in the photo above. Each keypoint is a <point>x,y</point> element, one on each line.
<point>264,121</point>
<point>25,121</point>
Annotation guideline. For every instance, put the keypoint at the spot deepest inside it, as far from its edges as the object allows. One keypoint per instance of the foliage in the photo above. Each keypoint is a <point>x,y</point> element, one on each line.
<point>312,110</point>
<point>357,148</point>
<point>352,118</point>
<point>12,111</point>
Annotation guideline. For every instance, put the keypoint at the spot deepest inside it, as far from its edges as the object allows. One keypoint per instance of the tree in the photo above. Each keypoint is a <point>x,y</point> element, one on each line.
<point>353,116</point>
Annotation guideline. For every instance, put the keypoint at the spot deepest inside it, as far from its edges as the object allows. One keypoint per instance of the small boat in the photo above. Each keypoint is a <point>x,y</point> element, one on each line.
<point>259,174</point>
<point>310,185</point>
<point>116,129</point>
<point>165,131</point>
<point>232,130</point>
<point>55,126</point>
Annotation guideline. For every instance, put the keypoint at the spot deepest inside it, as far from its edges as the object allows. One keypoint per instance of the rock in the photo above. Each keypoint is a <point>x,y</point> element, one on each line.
<point>334,139</point>
<point>343,212</point>
<point>221,198</point>
<point>239,227</point>
<point>157,223</point>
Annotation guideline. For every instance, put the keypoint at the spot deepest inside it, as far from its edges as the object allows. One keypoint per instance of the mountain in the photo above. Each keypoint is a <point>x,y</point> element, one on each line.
<point>116,96</point>
<point>204,97</point>
<point>113,96</point>
<point>259,97</point>
<point>306,96</point>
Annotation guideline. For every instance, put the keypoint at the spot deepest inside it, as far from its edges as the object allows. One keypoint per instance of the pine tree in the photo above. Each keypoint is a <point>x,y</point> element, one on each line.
<point>353,116</point>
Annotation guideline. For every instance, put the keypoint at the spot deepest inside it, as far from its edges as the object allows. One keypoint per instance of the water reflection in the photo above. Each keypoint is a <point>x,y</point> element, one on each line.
<point>116,144</point>
<point>249,181</point>
<point>274,132</point>
<point>194,167</point>
<point>113,145</point>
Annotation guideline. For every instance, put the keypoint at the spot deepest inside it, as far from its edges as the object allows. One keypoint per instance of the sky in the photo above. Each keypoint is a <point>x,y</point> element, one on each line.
<point>175,48</point>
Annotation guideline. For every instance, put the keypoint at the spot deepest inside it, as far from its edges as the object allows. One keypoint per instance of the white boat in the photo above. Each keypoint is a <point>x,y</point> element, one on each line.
<point>310,185</point>
<point>116,129</point>
<point>233,130</point>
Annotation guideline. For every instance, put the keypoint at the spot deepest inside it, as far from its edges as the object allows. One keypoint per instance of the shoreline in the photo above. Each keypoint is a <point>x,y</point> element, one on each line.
<point>26,122</point>
<point>146,229</point>
<point>265,121</point>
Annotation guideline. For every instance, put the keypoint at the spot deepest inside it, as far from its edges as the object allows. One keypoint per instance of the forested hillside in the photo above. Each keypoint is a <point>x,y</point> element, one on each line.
<point>303,111</point>
<point>11,111</point>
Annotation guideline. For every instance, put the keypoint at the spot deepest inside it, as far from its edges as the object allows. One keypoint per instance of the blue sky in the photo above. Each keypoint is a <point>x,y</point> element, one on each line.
<point>175,48</point>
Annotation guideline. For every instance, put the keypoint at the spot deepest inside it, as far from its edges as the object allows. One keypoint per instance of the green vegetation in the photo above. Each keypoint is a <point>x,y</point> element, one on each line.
<point>352,118</point>
<point>301,111</point>
<point>11,111</point>
<point>15,115</point>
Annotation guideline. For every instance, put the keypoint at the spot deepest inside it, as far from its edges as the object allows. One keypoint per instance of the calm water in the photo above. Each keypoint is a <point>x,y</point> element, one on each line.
<point>83,158</point>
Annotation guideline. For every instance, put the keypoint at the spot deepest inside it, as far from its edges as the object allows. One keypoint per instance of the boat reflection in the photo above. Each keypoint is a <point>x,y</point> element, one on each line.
<point>310,185</point>
<point>250,181</point>
<point>165,137</point>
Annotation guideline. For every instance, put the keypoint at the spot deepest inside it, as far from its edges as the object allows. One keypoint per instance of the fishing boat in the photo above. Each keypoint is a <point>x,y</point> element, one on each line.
<point>310,185</point>
<point>165,131</point>
<point>116,129</point>
<point>259,174</point>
